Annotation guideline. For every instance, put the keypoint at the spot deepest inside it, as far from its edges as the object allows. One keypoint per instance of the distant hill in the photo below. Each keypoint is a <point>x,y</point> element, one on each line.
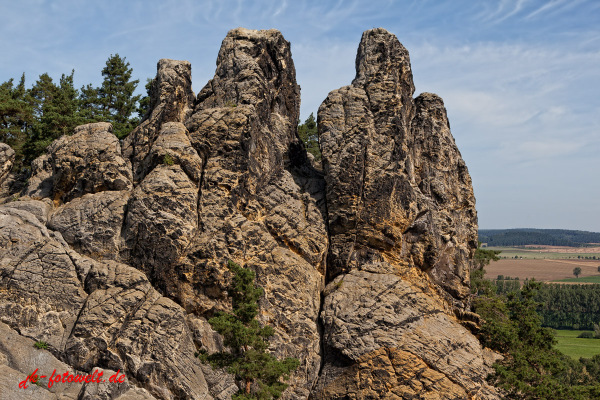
<point>547,237</point>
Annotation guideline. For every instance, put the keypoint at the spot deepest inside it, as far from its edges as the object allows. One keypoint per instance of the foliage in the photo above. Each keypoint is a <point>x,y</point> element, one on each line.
<point>16,117</point>
<point>247,341</point>
<point>577,271</point>
<point>168,160</point>
<point>310,137</point>
<point>505,285</point>
<point>484,256</point>
<point>532,367</point>
<point>115,97</point>
<point>40,344</point>
<point>145,105</point>
<point>569,306</point>
<point>30,119</point>
<point>586,335</point>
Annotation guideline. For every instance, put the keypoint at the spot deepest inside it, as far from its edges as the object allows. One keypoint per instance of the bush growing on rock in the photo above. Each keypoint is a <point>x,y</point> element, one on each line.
<point>248,359</point>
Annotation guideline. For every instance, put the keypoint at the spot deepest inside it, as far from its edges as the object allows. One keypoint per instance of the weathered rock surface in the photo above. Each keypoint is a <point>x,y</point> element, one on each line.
<point>397,187</point>
<point>7,157</point>
<point>171,100</point>
<point>94,314</point>
<point>89,161</point>
<point>372,311</point>
<point>161,221</point>
<point>260,203</point>
<point>39,208</point>
<point>91,224</point>
<point>41,181</point>
<point>402,226</point>
<point>117,258</point>
<point>41,292</point>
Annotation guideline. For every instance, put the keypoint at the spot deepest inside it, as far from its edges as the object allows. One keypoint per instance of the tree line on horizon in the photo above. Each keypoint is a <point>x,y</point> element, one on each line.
<point>31,118</point>
<point>542,237</point>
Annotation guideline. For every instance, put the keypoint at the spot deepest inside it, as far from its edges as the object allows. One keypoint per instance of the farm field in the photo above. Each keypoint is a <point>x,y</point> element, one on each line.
<point>574,347</point>
<point>544,269</point>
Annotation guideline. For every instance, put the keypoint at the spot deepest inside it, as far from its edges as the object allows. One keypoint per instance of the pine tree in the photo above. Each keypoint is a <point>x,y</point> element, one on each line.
<point>55,111</point>
<point>309,135</point>
<point>247,340</point>
<point>145,103</point>
<point>89,104</point>
<point>40,96</point>
<point>60,114</point>
<point>16,117</point>
<point>115,97</point>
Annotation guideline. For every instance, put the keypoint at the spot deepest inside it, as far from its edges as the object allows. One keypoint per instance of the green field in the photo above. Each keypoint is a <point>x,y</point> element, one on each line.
<point>532,253</point>
<point>574,347</point>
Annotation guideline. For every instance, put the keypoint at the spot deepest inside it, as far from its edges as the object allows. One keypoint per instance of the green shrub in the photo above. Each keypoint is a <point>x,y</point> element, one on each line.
<point>40,344</point>
<point>258,370</point>
<point>586,335</point>
<point>168,160</point>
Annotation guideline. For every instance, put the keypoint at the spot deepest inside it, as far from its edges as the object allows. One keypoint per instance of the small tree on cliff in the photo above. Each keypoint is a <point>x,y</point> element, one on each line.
<point>248,359</point>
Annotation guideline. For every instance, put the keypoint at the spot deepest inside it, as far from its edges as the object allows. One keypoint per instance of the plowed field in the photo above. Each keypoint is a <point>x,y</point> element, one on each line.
<point>541,269</point>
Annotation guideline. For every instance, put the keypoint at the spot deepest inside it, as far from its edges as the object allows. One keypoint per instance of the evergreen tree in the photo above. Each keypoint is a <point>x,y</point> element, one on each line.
<point>89,107</point>
<point>483,256</point>
<point>115,97</point>
<point>248,359</point>
<point>309,135</point>
<point>532,368</point>
<point>40,97</point>
<point>55,109</point>
<point>60,115</point>
<point>16,117</point>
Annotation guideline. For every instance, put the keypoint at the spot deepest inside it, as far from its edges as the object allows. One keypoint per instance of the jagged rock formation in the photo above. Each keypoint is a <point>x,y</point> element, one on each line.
<point>116,256</point>
<point>400,204</point>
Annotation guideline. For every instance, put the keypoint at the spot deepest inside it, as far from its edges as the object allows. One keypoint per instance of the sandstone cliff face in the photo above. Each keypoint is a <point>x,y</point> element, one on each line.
<point>402,222</point>
<point>115,254</point>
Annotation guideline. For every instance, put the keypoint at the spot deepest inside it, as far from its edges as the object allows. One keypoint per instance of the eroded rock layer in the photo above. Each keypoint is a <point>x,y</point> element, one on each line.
<point>115,254</point>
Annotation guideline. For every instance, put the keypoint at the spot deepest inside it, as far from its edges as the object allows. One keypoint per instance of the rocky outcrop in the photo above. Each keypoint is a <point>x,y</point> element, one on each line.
<point>260,204</point>
<point>20,358</point>
<point>116,257</point>
<point>171,100</point>
<point>93,314</point>
<point>89,161</point>
<point>402,226</point>
<point>397,187</point>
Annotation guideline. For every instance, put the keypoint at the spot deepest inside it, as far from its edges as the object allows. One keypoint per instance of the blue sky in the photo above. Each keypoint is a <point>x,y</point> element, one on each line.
<point>520,78</point>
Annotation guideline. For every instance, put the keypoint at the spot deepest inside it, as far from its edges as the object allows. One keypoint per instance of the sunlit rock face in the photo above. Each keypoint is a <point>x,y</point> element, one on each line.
<point>115,252</point>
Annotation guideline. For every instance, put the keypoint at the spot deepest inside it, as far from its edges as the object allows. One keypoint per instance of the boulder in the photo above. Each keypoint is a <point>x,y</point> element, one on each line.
<point>89,161</point>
